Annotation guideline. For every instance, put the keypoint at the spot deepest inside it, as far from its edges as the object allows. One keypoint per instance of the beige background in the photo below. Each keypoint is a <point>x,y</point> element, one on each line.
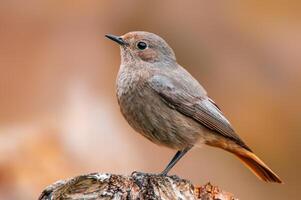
<point>58,112</point>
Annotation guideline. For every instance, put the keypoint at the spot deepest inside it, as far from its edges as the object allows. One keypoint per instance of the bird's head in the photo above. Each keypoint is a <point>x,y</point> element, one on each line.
<point>140,46</point>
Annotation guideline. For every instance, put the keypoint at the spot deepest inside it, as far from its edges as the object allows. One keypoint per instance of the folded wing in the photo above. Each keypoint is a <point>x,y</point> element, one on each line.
<point>197,106</point>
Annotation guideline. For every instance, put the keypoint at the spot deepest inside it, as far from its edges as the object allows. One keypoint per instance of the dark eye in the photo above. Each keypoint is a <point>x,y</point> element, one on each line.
<point>141,45</point>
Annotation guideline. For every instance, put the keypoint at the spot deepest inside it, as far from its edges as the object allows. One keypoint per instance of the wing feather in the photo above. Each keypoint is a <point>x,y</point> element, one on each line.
<point>199,107</point>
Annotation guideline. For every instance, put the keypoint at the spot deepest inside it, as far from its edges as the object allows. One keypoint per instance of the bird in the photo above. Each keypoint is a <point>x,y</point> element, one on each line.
<point>162,101</point>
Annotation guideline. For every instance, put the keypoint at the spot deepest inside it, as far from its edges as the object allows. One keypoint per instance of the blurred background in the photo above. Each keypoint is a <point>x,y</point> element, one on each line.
<point>59,116</point>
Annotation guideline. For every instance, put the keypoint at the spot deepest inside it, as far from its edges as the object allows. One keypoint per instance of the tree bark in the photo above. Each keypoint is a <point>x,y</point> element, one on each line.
<point>140,186</point>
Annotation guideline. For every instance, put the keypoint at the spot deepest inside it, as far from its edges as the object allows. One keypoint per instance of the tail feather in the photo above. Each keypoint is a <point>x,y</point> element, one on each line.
<point>257,166</point>
<point>261,170</point>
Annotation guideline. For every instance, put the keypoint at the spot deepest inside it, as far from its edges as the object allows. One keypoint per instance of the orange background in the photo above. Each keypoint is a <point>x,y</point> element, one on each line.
<point>60,118</point>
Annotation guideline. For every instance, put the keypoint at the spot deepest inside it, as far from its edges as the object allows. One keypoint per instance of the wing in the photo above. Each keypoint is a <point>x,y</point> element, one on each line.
<point>197,106</point>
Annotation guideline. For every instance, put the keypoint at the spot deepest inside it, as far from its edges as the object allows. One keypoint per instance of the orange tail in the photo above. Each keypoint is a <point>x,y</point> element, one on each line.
<point>261,170</point>
<point>257,166</point>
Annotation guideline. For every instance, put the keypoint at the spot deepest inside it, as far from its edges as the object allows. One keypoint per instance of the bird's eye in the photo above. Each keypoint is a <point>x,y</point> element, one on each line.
<point>141,45</point>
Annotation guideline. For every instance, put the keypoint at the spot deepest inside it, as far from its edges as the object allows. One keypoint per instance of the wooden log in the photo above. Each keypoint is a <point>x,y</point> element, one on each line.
<point>103,186</point>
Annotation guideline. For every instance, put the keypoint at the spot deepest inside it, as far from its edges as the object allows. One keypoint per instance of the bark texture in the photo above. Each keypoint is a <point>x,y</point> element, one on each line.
<point>98,186</point>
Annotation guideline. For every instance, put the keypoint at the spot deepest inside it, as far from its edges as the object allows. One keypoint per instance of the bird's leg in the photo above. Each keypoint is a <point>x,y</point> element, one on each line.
<point>174,160</point>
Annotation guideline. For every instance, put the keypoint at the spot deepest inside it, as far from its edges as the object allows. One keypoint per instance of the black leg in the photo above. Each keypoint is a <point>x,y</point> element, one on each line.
<point>174,160</point>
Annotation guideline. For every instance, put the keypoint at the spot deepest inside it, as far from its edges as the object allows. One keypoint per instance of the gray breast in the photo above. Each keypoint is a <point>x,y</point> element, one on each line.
<point>150,116</point>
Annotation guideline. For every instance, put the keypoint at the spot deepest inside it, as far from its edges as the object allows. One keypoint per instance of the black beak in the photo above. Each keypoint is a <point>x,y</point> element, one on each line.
<point>117,39</point>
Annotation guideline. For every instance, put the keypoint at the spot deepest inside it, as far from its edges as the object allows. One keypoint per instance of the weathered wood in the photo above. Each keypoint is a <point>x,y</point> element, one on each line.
<point>140,186</point>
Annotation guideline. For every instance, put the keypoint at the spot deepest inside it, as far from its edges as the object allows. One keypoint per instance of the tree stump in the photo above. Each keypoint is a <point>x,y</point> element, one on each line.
<point>98,186</point>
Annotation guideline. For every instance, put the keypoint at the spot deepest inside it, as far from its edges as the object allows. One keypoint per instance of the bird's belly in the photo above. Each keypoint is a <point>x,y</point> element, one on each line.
<point>155,120</point>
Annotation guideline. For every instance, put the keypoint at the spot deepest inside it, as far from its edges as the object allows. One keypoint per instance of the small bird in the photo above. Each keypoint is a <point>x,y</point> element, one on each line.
<point>168,106</point>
